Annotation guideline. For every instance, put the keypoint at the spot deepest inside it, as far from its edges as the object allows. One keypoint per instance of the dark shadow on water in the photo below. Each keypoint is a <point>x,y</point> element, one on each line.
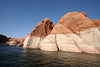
<point>19,57</point>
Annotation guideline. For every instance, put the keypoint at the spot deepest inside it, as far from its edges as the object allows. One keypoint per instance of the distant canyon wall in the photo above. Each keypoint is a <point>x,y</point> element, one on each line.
<point>4,40</point>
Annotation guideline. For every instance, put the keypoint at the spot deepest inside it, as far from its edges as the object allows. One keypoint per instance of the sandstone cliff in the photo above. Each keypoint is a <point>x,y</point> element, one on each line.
<point>34,39</point>
<point>74,32</point>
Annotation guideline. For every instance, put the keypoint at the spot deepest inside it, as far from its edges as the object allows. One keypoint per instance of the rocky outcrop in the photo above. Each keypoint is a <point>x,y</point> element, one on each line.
<point>13,43</point>
<point>16,41</point>
<point>97,23</point>
<point>74,32</point>
<point>3,40</point>
<point>34,39</point>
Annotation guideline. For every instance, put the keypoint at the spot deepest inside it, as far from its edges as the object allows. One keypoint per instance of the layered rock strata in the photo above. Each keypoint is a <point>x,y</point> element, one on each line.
<point>97,23</point>
<point>16,41</point>
<point>74,32</point>
<point>34,39</point>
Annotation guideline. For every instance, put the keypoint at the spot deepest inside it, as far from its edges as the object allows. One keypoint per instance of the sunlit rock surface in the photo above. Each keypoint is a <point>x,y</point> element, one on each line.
<point>16,41</point>
<point>74,32</point>
<point>34,39</point>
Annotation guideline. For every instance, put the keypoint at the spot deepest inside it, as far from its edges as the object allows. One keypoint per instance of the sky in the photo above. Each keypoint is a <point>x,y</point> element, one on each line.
<point>19,17</point>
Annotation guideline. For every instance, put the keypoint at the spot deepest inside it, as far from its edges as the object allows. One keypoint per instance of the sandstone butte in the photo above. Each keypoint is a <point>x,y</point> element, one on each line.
<point>43,29</point>
<point>74,32</point>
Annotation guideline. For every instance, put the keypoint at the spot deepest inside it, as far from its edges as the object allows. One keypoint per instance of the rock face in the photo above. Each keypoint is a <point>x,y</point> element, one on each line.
<point>16,41</point>
<point>34,39</point>
<point>3,38</point>
<point>97,23</point>
<point>13,43</point>
<point>74,32</point>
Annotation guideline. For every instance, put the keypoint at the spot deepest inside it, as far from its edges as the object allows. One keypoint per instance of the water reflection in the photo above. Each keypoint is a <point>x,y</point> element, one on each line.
<point>39,58</point>
<point>13,56</point>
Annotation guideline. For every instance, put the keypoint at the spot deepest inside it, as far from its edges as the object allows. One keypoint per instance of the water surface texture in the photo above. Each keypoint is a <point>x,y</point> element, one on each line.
<point>13,56</point>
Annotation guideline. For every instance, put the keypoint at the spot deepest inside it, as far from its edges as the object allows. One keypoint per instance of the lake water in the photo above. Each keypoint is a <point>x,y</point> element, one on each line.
<point>13,56</point>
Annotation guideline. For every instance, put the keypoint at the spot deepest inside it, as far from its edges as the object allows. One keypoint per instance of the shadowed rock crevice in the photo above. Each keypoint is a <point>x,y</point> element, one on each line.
<point>56,43</point>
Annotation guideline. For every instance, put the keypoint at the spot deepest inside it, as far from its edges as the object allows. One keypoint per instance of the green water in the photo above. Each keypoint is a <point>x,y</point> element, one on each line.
<point>13,56</point>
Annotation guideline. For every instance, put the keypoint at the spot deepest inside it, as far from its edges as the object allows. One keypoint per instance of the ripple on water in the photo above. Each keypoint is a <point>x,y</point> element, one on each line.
<point>13,56</point>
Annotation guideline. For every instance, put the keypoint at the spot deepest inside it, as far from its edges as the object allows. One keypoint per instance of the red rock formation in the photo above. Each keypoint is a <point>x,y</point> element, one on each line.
<point>74,22</point>
<point>43,29</point>
<point>74,32</point>
<point>11,41</point>
<point>16,41</point>
<point>96,22</point>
